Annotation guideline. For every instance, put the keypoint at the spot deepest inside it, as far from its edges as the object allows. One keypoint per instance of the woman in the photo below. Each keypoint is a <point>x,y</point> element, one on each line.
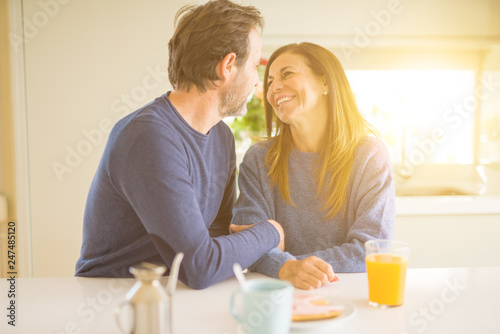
<point>320,175</point>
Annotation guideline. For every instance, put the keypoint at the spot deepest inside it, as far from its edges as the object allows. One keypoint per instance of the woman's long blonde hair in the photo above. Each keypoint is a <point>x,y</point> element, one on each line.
<point>345,129</point>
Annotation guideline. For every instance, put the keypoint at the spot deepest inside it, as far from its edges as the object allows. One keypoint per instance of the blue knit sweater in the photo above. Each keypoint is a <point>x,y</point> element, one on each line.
<point>161,188</point>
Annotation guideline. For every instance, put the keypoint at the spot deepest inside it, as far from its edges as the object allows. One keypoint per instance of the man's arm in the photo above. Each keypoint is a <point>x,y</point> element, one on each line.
<point>152,174</point>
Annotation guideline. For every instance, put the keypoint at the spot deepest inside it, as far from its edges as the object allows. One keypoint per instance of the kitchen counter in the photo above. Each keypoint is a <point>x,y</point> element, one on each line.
<point>480,186</point>
<point>447,205</point>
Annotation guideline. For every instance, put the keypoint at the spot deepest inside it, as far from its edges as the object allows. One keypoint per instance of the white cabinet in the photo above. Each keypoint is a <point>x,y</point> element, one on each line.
<point>451,240</point>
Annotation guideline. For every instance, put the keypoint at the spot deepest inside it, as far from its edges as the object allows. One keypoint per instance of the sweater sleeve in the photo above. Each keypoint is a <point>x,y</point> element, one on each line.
<point>152,173</point>
<point>220,226</point>
<point>370,211</point>
<point>253,206</point>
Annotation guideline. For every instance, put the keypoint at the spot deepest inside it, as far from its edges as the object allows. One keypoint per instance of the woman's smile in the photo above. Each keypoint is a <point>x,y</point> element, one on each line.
<point>283,99</point>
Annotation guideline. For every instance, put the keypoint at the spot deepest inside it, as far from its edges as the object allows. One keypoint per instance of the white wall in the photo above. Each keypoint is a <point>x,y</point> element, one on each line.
<point>90,62</point>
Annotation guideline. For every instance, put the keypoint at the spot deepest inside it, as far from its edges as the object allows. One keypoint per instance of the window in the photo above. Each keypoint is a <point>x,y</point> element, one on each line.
<point>424,116</point>
<point>490,118</point>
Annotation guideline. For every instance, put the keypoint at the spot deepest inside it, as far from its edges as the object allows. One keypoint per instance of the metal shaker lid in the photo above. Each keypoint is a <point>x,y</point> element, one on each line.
<point>147,271</point>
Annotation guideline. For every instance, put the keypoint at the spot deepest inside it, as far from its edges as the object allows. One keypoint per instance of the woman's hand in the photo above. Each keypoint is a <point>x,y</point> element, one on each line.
<point>309,273</point>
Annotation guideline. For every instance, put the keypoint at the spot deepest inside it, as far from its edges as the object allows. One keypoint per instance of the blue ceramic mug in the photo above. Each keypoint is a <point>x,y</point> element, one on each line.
<point>266,306</point>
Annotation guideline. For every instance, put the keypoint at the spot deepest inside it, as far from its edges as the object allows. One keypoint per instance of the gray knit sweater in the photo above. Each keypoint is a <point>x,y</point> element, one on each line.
<point>370,208</point>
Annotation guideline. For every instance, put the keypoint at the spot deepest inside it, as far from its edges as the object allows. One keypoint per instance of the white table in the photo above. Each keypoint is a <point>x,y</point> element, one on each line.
<point>437,301</point>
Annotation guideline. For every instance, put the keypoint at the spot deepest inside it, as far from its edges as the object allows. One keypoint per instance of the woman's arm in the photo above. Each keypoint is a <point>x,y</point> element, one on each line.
<point>255,204</point>
<point>370,211</point>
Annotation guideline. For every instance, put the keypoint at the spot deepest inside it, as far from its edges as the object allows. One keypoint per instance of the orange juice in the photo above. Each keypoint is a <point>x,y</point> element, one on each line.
<point>386,278</point>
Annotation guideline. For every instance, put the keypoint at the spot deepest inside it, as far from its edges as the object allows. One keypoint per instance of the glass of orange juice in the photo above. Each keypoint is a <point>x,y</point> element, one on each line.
<point>386,264</point>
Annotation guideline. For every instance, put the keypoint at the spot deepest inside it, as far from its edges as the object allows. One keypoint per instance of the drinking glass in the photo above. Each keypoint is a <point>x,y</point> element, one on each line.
<point>386,264</point>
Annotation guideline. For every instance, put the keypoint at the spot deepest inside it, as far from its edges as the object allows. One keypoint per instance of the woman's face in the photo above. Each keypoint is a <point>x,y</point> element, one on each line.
<point>294,91</point>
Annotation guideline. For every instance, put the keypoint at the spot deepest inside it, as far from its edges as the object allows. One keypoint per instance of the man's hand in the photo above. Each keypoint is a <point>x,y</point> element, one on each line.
<point>309,273</point>
<point>238,228</point>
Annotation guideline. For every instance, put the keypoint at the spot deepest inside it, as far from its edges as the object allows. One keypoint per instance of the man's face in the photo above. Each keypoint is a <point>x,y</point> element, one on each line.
<point>233,101</point>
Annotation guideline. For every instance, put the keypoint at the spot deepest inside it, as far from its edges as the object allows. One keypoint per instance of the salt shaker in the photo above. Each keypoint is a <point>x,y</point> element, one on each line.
<point>147,301</point>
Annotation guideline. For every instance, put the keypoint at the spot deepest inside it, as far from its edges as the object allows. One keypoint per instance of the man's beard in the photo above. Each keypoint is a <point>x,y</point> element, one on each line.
<point>233,102</point>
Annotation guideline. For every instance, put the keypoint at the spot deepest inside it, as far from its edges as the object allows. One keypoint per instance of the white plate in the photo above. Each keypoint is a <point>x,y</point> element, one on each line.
<point>349,313</point>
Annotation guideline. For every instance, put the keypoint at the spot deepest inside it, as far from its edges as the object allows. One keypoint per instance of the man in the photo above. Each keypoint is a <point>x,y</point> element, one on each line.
<point>166,180</point>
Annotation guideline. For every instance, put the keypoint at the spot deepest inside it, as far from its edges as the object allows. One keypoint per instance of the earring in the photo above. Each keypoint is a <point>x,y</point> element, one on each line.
<point>325,93</point>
